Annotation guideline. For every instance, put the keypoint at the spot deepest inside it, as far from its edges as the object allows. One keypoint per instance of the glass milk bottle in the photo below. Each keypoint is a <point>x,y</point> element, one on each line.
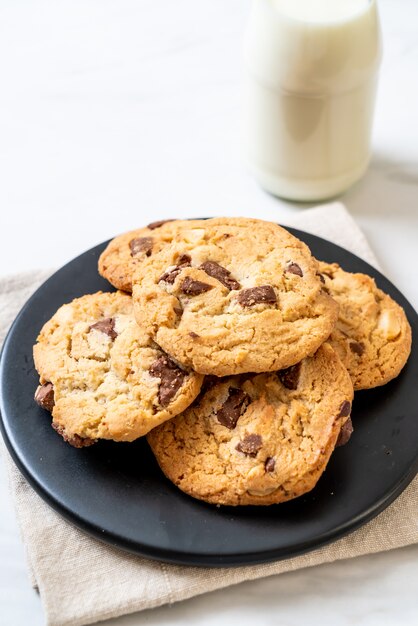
<point>313,67</point>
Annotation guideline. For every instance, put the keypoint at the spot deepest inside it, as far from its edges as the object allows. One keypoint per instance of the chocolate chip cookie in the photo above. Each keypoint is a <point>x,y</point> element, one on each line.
<point>233,295</point>
<point>125,252</point>
<point>261,438</point>
<point>101,377</point>
<point>372,335</point>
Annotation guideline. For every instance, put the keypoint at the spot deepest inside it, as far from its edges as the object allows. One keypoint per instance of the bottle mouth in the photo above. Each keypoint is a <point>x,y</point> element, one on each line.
<point>320,12</point>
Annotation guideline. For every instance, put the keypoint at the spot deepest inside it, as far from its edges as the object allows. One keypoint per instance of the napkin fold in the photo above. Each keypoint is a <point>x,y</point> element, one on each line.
<point>82,581</point>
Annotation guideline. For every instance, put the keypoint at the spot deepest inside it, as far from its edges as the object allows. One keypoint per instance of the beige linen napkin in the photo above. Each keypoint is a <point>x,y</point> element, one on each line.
<point>83,581</point>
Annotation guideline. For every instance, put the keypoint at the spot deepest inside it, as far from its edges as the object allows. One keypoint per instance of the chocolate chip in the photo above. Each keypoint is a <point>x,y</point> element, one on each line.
<point>141,244</point>
<point>289,377</point>
<point>270,464</point>
<point>170,275</point>
<point>74,440</point>
<point>107,327</point>
<point>233,407</point>
<point>255,295</point>
<point>321,278</point>
<point>294,268</point>
<point>184,260</point>
<point>44,396</point>
<point>220,273</point>
<point>357,347</point>
<point>171,378</point>
<point>345,409</point>
<point>194,287</point>
<point>194,335</point>
<point>155,225</point>
<point>250,445</point>
<point>345,433</point>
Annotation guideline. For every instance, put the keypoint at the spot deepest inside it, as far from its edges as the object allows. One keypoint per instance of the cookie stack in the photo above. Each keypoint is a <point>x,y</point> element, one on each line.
<point>230,347</point>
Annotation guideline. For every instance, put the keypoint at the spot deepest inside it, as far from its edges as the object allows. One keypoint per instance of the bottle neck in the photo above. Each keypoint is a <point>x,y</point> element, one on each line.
<point>313,58</point>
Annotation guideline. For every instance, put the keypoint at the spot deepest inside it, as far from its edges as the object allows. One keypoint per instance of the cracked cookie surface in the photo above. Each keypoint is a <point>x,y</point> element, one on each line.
<point>126,252</point>
<point>234,295</point>
<point>260,438</point>
<point>101,377</point>
<point>372,335</point>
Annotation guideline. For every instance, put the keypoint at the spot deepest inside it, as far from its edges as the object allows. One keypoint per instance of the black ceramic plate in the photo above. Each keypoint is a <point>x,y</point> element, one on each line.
<point>117,493</point>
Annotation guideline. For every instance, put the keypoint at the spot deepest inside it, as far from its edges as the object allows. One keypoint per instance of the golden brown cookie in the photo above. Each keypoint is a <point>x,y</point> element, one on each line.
<point>125,252</point>
<point>101,377</point>
<point>258,439</point>
<point>233,295</point>
<point>372,335</point>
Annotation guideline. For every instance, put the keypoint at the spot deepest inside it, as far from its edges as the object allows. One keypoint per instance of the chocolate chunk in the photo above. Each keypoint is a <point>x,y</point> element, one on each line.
<point>250,445</point>
<point>141,244</point>
<point>44,396</point>
<point>345,409</point>
<point>194,335</point>
<point>170,275</point>
<point>107,327</point>
<point>184,260</point>
<point>345,433</point>
<point>194,287</point>
<point>256,295</point>
<point>290,376</point>
<point>233,407</point>
<point>357,347</point>
<point>294,268</point>
<point>74,440</point>
<point>321,278</point>
<point>155,225</point>
<point>270,464</point>
<point>171,378</point>
<point>220,273</point>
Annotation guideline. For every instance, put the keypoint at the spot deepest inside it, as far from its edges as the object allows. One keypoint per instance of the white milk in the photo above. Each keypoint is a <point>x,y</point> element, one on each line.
<point>313,72</point>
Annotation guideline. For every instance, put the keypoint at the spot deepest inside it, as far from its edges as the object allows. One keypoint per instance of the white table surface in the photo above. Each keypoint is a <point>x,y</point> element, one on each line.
<point>114,113</point>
